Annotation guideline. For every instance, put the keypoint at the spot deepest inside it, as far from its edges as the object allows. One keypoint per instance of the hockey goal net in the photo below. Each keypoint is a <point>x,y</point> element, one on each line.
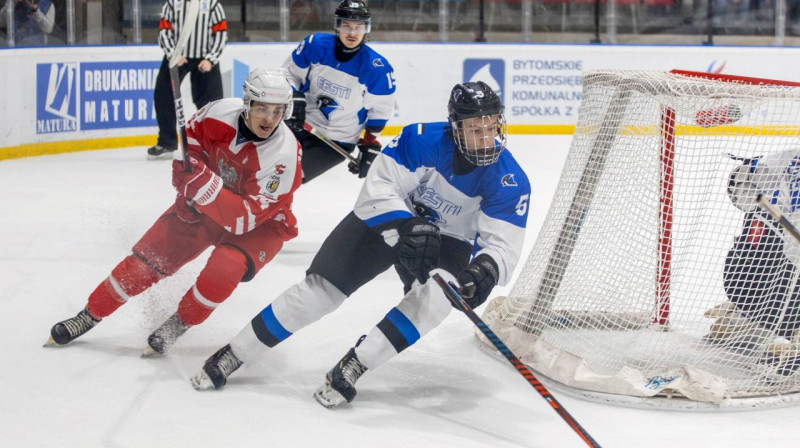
<point>617,297</point>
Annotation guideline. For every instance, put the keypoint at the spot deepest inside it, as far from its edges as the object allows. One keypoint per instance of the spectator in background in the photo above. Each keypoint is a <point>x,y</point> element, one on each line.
<point>33,21</point>
<point>793,18</point>
<point>200,59</point>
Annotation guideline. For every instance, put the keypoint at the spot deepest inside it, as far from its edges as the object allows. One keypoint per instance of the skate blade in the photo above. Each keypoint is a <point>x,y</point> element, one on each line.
<point>201,381</point>
<point>51,343</point>
<point>149,353</point>
<point>328,396</point>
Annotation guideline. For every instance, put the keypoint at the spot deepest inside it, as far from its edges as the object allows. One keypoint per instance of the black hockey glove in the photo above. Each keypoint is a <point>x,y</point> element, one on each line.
<point>298,118</point>
<point>478,280</point>
<point>369,147</point>
<point>418,248</point>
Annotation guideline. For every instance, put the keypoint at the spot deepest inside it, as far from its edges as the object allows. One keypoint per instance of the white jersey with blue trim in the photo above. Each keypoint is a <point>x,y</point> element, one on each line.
<point>342,98</point>
<point>487,207</point>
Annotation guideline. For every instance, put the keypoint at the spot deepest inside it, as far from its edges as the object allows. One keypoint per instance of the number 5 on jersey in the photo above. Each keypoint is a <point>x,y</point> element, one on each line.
<point>522,205</point>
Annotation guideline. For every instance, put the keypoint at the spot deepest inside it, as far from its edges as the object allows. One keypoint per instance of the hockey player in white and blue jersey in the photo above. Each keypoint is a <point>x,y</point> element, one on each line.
<point>342,88</point>
<point>442,198</point>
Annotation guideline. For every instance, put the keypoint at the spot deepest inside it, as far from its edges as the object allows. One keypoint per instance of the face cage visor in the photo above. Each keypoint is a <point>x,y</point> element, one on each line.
<point>263,111</point>
<point>354,26</point>
<point>481,139</point>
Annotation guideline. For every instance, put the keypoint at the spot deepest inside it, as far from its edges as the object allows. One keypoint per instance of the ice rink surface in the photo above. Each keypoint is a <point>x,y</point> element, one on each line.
<point>68,219</point>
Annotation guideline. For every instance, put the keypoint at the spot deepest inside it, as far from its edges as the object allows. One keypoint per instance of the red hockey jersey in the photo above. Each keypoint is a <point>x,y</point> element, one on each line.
<point>260,177</point>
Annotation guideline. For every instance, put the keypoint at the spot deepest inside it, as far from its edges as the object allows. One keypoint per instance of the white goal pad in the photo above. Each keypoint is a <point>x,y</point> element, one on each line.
<point>624,285</point>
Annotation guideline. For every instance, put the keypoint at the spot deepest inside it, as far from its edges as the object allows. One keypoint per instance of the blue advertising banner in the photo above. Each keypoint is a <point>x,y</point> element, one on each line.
<point>56,97</point>
<point>490,71</point>
<point>117,94</point>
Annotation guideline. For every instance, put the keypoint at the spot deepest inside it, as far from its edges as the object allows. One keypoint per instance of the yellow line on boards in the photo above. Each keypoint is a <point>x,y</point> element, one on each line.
<point>65,146</point>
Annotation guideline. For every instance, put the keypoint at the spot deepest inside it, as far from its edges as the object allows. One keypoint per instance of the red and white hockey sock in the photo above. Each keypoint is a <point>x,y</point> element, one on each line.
<point>130,278</point>
<point>216,282</point>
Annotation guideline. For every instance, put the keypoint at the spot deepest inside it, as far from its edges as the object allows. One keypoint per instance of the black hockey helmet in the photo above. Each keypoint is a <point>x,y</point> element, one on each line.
<point>472,99</point>
<point>483,141</point>
<point>356,10</point>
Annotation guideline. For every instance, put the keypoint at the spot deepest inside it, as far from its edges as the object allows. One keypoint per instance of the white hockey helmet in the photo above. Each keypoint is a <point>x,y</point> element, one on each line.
<point>267,86</point>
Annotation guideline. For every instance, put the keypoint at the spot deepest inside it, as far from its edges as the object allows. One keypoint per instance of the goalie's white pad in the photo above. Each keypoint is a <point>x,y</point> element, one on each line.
<point>742,190</point>
<point>786,349</point>
<point>729,323</point>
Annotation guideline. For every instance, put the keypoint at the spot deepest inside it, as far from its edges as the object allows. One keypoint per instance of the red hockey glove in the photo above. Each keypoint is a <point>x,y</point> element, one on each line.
<point>201,185</point>
<point>369,147</point>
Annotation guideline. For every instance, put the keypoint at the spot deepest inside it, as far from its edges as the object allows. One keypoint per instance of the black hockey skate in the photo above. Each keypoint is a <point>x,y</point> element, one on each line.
<point>159,341</point>
<point>216,370</point>
<point>340,381</point>
<point>159,152</point>
<point>67,330</point>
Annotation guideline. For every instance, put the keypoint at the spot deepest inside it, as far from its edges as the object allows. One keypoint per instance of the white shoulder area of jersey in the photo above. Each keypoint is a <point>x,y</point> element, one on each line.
<point>280,150</point>
<point>226,110</point>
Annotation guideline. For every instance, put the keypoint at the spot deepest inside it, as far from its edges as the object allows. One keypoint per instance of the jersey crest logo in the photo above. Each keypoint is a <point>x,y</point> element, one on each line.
<point>377,62</point>
<point>262,256</point>
<point>327,106</point>
<point>272,185</point>
<point>428,213</point>
<point>227,173</point>
<point>280,169</point>
<point>508,181</point>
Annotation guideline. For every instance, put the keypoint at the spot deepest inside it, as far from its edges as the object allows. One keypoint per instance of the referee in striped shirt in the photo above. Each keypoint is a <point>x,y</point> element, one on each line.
<point>200,60</point>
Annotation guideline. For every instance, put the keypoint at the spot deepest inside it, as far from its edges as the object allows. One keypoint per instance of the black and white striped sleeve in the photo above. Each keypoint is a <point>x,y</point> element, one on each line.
<point>166,28</point>
<point>218,28</point>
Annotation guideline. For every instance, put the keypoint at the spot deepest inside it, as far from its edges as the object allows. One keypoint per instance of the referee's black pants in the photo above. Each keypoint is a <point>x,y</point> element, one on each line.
<point>206,87</point>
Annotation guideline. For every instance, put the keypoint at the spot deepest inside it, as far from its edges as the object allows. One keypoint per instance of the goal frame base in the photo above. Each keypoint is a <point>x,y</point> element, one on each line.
<point>675,403</point>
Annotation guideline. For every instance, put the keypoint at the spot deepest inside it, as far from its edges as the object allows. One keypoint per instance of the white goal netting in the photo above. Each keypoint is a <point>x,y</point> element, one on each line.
<point>617,299</point>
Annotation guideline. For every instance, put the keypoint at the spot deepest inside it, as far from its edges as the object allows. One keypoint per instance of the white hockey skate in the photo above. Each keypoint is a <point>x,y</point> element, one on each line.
<point>216,370</point>
<point>340,381</point>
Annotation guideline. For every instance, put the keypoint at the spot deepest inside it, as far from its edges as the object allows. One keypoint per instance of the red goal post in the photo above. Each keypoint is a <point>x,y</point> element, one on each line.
<point>610,303</point>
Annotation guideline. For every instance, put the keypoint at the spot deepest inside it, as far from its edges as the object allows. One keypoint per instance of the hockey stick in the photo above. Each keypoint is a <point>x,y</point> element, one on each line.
<point>175,80</point>
<point>329,142</point>
<point>454,298</point>
<point>772,210</point>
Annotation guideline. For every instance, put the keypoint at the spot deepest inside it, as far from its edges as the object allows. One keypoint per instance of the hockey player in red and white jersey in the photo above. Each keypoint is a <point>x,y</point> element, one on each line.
<point>237,198</point>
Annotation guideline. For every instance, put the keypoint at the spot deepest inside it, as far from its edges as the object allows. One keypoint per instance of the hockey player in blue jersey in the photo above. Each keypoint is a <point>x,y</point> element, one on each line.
<point>342,88</point>
<point>441,198</point>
